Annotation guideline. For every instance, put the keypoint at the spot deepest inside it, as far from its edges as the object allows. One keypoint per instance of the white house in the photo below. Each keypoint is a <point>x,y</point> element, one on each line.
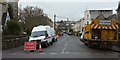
<point>76,26</point>
<point>82,24</point>
<point>93,13</point>
<point>90,14</point>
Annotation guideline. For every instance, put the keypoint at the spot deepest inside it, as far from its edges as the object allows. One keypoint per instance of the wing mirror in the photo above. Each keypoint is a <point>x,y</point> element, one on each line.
<point>46,35</point>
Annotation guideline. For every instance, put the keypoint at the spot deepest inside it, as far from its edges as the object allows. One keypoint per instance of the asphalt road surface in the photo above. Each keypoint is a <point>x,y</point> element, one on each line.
<point>67,46</point>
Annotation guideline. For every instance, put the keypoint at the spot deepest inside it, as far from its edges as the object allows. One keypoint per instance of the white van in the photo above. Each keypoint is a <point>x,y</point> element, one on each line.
<point>43,35</point>
<point>54,35</point>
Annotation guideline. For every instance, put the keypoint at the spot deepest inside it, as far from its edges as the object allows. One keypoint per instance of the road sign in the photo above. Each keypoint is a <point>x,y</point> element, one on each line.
<point>30,46</point>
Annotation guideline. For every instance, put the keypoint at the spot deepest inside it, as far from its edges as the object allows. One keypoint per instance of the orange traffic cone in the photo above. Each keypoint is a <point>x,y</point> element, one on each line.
<point>40,48</point>
<point>61,35</point>
<point>57,36</point>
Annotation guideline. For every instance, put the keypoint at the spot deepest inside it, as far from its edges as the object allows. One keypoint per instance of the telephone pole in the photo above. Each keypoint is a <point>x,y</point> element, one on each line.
<point>68,24</point>
<point>54,22</point>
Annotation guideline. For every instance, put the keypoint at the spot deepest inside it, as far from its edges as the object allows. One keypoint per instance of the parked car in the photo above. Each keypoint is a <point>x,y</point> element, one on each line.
<point>54,35</point>
<point>42,35</point>
<point>82,37</point>
<point>69,33</point>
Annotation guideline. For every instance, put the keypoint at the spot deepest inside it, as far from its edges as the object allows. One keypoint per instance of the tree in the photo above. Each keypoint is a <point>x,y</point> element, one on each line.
<point>10,10</point>
<point>13,27</point>
<point>34,16</point>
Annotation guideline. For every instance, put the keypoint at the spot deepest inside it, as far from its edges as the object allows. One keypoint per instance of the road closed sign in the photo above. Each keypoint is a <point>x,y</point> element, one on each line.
<point>30,46</point>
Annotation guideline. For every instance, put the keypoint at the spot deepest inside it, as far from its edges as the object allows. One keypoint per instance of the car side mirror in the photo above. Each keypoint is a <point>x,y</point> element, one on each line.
<point>46,35</point>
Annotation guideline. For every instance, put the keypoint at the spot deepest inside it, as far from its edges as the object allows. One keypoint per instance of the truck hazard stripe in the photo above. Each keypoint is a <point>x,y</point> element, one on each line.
<point>92,26</point>
<point>116,26</point>
<point>96,26</point>
<point>106,27</point>
<point>113,26</point>
<point>99,27</point>
<point>109,27</point>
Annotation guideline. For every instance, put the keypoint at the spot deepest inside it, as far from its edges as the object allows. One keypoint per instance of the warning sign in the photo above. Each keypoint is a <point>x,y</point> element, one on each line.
<point>30,46</point>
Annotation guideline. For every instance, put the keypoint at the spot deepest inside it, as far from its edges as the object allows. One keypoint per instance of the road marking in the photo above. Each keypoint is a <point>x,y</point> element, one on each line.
<point>65,52</point>
<point>64,48</point>
<point>42,53</point>
<point>53,53</point>
<point>76,53</point>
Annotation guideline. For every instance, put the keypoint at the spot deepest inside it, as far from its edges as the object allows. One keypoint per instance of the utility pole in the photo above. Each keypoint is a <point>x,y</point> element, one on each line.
<point>20,12</point>
<point>54,22</point>
<point>68,24</point>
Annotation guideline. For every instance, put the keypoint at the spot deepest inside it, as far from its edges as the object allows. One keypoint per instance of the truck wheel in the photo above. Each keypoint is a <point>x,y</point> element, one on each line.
<point>90,45</point>
<point>109,45</point>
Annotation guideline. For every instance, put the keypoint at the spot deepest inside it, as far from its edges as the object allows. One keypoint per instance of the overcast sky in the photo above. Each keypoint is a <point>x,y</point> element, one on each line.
<point>72,9</point>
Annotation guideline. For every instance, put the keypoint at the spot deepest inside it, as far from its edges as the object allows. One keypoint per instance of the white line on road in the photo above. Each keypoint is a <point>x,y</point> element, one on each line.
<point>66,53</point>
<point>53,53</point>
<point>42,53</point>
<point>64,48</point>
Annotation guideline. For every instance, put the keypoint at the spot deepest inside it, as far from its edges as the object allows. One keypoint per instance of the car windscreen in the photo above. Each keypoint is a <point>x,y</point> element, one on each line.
<point>38,33</point>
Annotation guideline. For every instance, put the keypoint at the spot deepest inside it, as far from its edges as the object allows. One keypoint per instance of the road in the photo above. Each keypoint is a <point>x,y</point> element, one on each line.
<point>67,46</point>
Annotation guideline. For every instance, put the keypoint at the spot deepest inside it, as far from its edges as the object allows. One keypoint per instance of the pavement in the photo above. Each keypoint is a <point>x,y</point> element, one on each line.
<point>67,46</point>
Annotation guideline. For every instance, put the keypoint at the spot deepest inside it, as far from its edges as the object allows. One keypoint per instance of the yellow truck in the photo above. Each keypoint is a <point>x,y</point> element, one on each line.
<point>101,33</point>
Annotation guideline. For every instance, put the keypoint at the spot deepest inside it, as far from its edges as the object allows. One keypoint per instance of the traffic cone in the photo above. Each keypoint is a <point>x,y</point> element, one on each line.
<point>61,35</point>
<point>57,36</point>
<point>40,48</point>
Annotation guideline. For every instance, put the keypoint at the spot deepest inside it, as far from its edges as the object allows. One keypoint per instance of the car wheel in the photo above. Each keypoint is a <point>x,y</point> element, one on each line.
<point>46,44</point>
<point>51,43</point>
<point>55,39</point>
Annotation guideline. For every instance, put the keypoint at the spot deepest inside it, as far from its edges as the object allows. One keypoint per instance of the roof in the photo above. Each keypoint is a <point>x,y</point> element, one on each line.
<point>101,17</point>
<point>40,28</point>
<point>118,6</point>
<point>101,9</point>
<point>112,17</point>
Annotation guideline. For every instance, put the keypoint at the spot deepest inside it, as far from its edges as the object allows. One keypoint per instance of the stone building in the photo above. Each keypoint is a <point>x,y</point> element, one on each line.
<point>3,13</point>
<point>14,4</point>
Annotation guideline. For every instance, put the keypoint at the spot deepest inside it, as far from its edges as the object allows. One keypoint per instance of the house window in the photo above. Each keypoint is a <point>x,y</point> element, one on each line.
<point>87,17</point>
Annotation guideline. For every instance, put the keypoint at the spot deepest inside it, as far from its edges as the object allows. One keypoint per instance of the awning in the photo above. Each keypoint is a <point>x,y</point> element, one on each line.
<point>97,26</point>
